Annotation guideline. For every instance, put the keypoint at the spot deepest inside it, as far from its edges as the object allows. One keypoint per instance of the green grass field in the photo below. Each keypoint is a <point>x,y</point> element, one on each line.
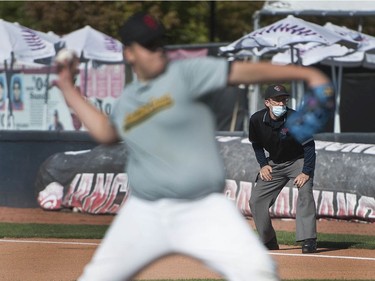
<point>33,230</point>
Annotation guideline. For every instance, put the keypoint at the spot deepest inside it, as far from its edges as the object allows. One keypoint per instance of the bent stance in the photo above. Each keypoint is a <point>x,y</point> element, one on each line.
<point>265,193</point>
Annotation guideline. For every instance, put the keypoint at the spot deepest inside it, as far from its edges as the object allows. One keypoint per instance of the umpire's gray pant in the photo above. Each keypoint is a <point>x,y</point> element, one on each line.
<point>264,194</point>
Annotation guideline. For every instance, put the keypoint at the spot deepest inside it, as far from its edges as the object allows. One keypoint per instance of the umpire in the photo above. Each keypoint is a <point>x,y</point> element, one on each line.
<point>288,160</point>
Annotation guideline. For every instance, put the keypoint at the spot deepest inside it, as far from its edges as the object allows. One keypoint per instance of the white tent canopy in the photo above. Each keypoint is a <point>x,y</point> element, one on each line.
<point>338,8</point>
<point>334,8</point>
<point>310,53</point>
<point>335,57</point>
<point>358,58</point>
<point>288,34</point>
<point>284,33</point>
<point>92,44</point>
<point>320,8</point>
<point>23,43</point>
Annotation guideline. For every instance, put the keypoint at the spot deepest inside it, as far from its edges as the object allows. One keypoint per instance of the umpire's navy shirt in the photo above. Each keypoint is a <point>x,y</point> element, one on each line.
<point>272,136</point>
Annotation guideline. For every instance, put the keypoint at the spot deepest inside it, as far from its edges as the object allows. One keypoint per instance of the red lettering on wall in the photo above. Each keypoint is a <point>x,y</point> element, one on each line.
<point>351,203</point>
<point>366,207</point>
<point>110,206</point>
<point>326,204</point>
<point>281,206</point>
<point>83,189</point>
<point>244,197</point>
<point>230,189</point>
<point>346,204</point>
<point>342,209</point>
<point>68,198</point>
<point>100,192</point>
<point>122,182</point>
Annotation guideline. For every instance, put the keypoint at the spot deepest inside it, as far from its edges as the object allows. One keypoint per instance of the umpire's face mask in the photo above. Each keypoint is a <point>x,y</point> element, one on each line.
<point>278,110</point>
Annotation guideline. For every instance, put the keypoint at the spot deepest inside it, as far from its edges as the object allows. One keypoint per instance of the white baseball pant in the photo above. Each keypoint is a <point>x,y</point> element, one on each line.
<point>211,229</point>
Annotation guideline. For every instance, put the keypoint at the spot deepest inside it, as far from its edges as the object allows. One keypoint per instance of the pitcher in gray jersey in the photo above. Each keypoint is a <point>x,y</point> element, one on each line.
<point>175,171</point>
<point>169,132</point>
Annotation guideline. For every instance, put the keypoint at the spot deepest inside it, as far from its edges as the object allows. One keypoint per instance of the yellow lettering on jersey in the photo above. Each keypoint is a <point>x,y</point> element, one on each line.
<point>146,111</point>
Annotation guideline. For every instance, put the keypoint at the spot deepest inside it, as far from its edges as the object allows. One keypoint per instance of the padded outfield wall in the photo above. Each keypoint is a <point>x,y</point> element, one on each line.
<point>72,171</point>
<point>22,153</point>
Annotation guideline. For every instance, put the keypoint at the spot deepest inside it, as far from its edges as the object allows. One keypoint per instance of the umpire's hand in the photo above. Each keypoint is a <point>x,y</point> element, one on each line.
<point>265,173</point>
<point>300,180</point>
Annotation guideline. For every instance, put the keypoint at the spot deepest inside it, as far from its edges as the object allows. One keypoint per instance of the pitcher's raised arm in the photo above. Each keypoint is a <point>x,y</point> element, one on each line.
<point>251,73</point>
<point>96,122</point>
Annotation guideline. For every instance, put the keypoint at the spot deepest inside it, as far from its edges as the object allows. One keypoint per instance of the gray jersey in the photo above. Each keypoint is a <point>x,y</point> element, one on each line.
<point>170,132</point>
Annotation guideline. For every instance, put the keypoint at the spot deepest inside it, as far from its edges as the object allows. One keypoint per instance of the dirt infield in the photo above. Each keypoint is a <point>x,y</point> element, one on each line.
<point>63,260</point>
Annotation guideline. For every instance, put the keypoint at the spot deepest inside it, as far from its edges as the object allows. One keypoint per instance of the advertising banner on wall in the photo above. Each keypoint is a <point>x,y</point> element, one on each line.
<point>3,97</point>
<point>35,105</point>
<point>95,181</point>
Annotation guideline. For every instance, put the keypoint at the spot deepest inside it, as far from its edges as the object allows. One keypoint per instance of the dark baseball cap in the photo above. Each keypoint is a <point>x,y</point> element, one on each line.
<point>144,29</point>
<point>275,91</point>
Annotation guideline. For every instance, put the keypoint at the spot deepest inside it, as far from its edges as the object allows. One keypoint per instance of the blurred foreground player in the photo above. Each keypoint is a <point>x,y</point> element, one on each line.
<point>176,174</point>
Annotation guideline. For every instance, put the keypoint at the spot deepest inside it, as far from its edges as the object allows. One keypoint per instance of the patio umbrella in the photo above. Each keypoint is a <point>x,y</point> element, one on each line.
<point>337,56</point>
<point>19,43</point>
<point>95,46</point>
<point>284,34</point>
<point>310,53</point>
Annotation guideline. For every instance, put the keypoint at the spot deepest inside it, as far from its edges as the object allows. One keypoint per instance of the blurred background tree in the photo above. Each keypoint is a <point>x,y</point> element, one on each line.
<point>187,22</point>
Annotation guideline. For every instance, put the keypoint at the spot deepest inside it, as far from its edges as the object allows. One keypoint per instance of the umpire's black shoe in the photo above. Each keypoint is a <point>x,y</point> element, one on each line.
<point>272,244</point>
<point>309,246</point>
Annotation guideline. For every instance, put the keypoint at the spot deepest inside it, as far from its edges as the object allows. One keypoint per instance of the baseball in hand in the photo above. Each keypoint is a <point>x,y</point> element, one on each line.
<point>65,56</point>
<point>69,58</point>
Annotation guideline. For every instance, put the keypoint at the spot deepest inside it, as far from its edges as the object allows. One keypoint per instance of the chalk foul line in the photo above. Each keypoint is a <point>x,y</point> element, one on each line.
<point>324,256</point>
<point>48,242</point>
<point>97,244</point>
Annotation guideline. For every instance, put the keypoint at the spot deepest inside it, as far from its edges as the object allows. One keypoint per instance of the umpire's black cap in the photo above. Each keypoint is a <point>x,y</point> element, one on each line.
<point>275,91</point>
<point>143,29</point>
